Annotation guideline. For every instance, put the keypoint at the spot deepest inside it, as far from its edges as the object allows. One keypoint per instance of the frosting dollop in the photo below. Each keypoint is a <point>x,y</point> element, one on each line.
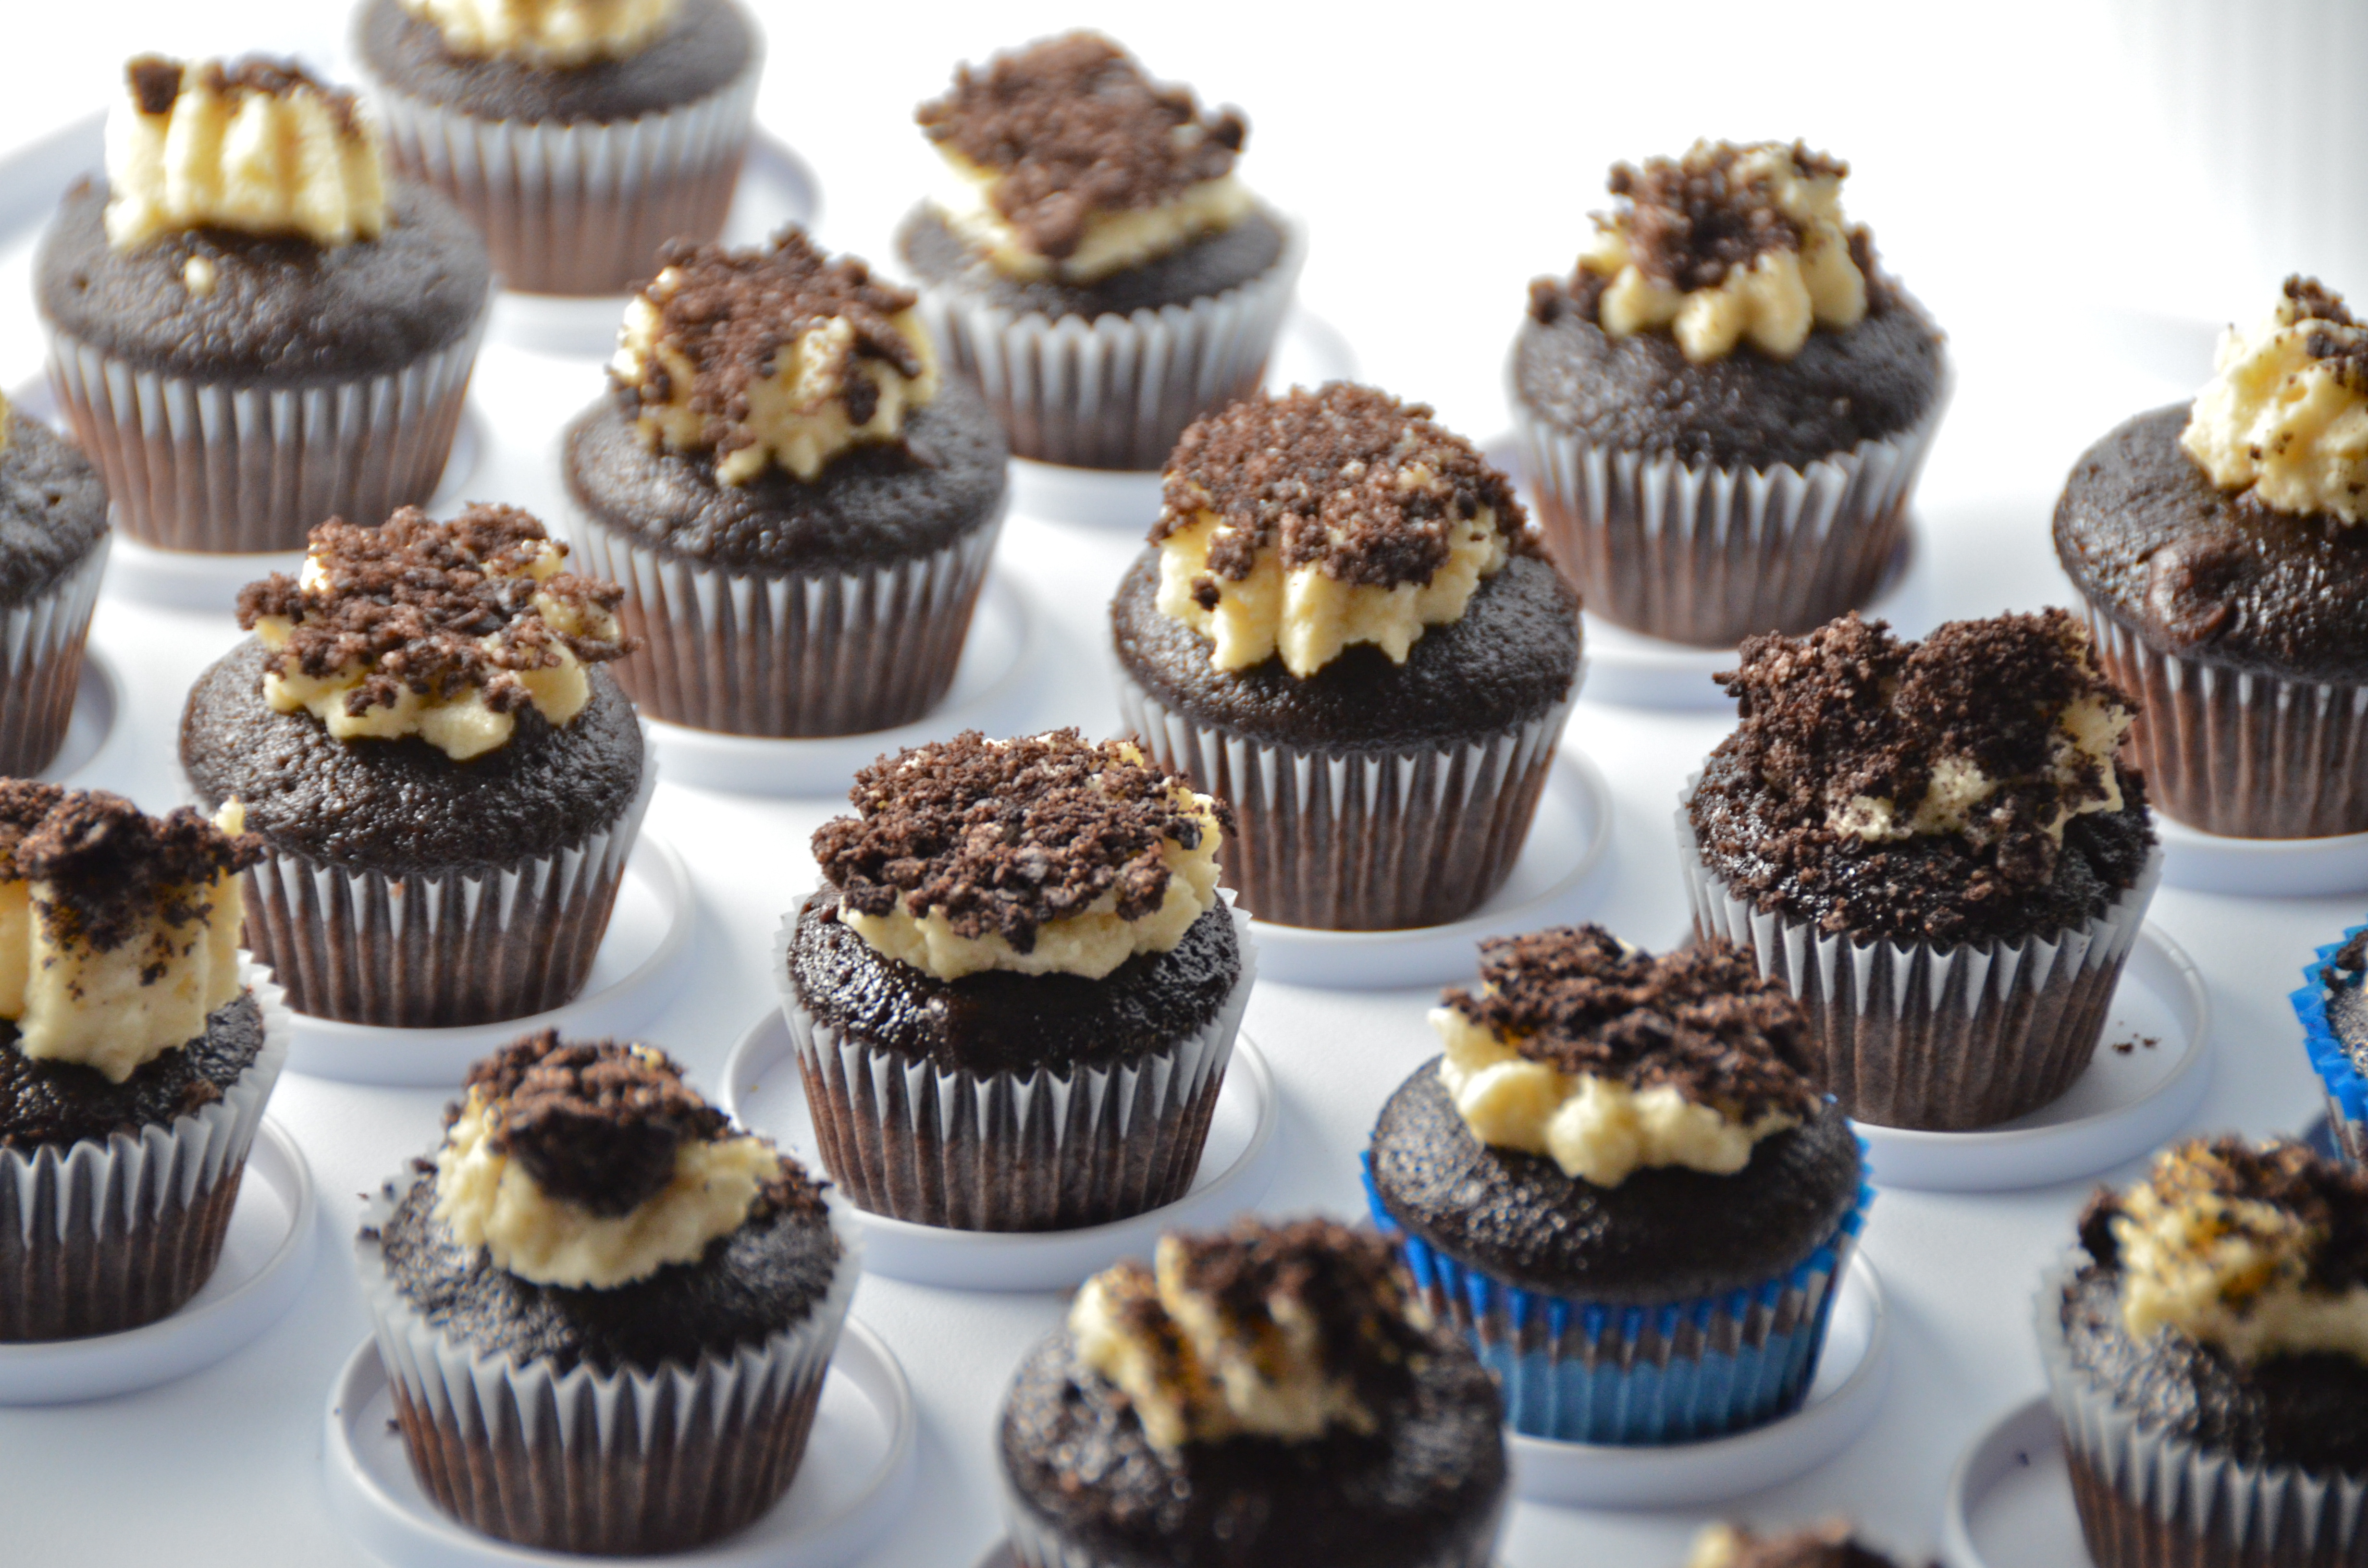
<point>258,145</point>
<point>2259,1250</point>
<point>1298,525</point>
<point>1605,1059</point>
<point>1827,1545</point>
<point>2286,413</point>
<point>1049,853</point>
<point>772,356</point>
<point>1068,161</point>
<point>591,1165</point>
<point>1286,1331</point>
<point>118,931</point>
<point>441,630</point>
<point>547,34</point>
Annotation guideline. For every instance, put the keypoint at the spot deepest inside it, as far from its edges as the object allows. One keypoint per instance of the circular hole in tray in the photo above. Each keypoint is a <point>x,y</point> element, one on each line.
<point>764,1091</point>
<point>2276,868</point>
<point>2009,1503</point>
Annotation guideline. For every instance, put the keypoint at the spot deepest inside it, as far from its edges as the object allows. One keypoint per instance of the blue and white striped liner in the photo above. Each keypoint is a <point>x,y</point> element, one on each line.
<point>1672,1372</point>
<point>2346,1092</point>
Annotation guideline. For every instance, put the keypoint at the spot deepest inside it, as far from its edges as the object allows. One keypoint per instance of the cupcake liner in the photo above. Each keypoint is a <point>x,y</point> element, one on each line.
<point>2238,752</point>
<point>1910,1035</point>
<point>41,666</point>
<point>105,1234</point>
<point>1702,554</point>
<point>1360,840</point>
<point>619,1463</point>
<point>782,655</point>
<point>226,469</point>
<point>1115,391</point>
<point>414,950</point>
<point>1581,1372</point>
<point>2339,1076</point>
<point>1040,1151</point>
<point>579,208</point>
<point>2149,1498</point>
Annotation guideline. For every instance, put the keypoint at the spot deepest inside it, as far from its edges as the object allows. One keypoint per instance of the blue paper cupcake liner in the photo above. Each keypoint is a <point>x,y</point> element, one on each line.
<point>1619,1373</point>
<point>2346,1092</point>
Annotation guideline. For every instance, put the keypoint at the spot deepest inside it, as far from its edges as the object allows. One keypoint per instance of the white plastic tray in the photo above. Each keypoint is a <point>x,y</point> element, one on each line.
<point>2273,867</point>
<point>764,1091</point>
<point>2009,1503</point>
<point>98,698</point>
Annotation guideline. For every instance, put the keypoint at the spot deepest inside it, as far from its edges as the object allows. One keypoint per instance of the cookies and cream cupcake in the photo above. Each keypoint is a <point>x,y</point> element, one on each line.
<point>1094,264</point>
<point>1346,630</point>
<point>252,326</point>
<point>1015,995</point>
<point>1265,1396</point>
<point>1724,409</point>
<point>54,538</point>
<point>800,506</point>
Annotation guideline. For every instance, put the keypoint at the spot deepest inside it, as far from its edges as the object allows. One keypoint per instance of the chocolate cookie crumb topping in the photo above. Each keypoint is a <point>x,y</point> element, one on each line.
<point>1343,1280</point>
<point>1005,836</point>
<point>1702,1020</point>
<point>108,866</point>
<point>432,607</point>
<point>155,81</point>
<point>2352,959</point>
<point>596,1124</point>
<point>1343,478</point>
<point>2345,354</point>
<point>2328,1197</point>
<point>1072,126</point>
<point>1694,219</point>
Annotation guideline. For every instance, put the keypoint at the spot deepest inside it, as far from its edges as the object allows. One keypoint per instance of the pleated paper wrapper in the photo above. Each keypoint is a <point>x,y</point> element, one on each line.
<point>41,666</point>
<point>2339,1076</point>
<point>102,1235</point>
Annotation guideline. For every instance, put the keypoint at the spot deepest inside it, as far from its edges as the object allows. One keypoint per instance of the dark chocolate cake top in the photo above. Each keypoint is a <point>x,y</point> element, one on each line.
<point>1005,835</point>
<point>1702,1020</point>
<point>1071,127</point>
<point>1827,1545</point>
<point>109,868</point>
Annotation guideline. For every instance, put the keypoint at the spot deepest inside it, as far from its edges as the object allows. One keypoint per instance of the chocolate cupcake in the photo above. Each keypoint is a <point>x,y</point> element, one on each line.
<point>446,784</point>
<point>1094,266</point>
<point>2209,1361</point>
<point>137,1048</point>
<point>2332,1005</point>
<point>578,135</point>
<point>2217,546</point>
<point>1622,1186</point>
<point>1933,845</point>
<point>54,538</point>
<point>606,1314</point>
<point>1724,409</point>
<point>1015,996</point>
<point>1263,1397</point>
<point>1346,629</point>
<point>251,327</point>
<point>801,508</point>
<point>1832,1544</point>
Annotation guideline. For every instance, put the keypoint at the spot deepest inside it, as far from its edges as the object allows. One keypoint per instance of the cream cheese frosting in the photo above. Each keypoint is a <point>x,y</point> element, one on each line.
<point>1112,242</point>
<point>547,34</point>
<point>2086,736</point>
<point>2286,412</point>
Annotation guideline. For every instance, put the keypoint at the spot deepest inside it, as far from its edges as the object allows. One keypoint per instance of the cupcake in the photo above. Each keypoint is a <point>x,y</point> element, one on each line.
<point>52,551</point>
<point>251,326</point>
<point>606,1315</point>
<point>1094,266</point>
<point>578,135</point>
<point>1267,1396</point>
<point>1620,1185</point>
<point>2333,1007</point>
<point>2209,1361</point>
<point>445,783</point>
<point>1014,996</point>
<point>2217,546</point>
<point>801,508</point>
<point>1346,629</point>
<point>1933,845</point>
<point>1829,1545</point>
<point>137,1048</point>
<point>1724,409</point>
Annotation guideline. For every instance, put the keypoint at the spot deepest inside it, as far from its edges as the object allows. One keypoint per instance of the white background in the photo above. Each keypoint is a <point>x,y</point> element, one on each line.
<point>2016,178</point>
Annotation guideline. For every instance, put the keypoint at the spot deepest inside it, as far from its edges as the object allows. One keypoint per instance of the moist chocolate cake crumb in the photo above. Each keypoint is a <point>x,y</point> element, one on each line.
<point>105,867</point>
<point>1071,127</point>
<point>596,1123</point>
<point>1004,836</point>
<point>1827,1545</point>
<point>2328,1197</point>
<point>1702,1020</point>
<point>733,312</point>
<point>1345,479</point>
<point>413,602</point>
<point>1342,1281</point>
<point>156,81</point>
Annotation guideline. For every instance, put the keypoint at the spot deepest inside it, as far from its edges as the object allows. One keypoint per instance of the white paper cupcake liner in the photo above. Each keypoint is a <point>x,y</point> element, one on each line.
<point>619,1462</point>
<point>1909,1035</point>
<point>411,950</point>
<point>1115,391</point>
<point>225,468</point>
<point>2149,1498</point>
<point>579,208</point>
<point>1040,1151</point>
<point>41,666</point>
<point>101,1235</point>
<point>1352,840</point>
<point>2238,752</point>
<point>788,654</point>
<point>1702,554</point>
